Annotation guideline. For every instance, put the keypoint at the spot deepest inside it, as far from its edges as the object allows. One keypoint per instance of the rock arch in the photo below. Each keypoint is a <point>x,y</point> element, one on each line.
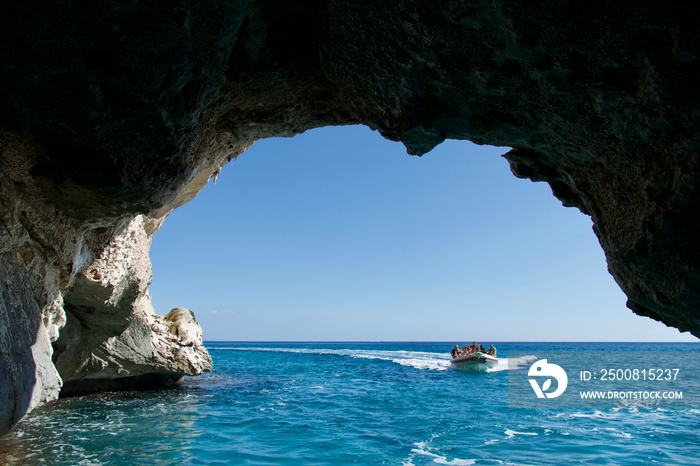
<point>114,114</point>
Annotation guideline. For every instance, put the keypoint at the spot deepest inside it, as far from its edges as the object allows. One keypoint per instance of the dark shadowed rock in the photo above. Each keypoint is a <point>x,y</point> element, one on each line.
<point>112,114</point>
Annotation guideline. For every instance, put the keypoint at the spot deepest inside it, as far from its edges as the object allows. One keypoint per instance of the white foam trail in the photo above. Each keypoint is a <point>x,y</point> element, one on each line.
<point>416,359</point>
<point>505,364</point>
<point>502,365</point>
<point>423,449</point>
<point>511,433</point>
<point>427,363</point>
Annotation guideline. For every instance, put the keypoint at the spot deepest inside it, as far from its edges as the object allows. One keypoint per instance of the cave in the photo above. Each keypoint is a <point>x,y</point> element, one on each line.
<point>112,115</point>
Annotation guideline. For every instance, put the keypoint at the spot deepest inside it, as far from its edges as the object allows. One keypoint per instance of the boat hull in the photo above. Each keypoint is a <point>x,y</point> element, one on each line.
<point>476,361</point>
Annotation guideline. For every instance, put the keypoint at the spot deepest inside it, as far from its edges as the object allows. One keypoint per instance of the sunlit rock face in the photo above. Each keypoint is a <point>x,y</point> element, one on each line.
<point>113,339</point>
<point>112,114</point>
<point>182,323</point>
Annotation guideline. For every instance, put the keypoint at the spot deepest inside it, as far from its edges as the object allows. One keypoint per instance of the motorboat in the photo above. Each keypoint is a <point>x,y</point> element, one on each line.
<point>474,361</point>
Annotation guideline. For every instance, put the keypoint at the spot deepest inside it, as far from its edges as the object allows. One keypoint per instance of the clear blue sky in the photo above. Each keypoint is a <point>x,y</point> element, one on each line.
<point>338,235</point>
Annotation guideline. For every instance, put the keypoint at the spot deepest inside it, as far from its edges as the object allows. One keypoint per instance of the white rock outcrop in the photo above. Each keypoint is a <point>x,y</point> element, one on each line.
<point>184,326</point>
<point>113,338</point>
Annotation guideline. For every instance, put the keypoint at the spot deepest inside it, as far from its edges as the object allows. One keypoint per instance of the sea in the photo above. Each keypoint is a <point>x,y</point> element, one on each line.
<point>395,403</point>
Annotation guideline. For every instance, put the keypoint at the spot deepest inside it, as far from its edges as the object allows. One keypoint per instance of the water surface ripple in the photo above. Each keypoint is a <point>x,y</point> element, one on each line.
<point>342,403</point>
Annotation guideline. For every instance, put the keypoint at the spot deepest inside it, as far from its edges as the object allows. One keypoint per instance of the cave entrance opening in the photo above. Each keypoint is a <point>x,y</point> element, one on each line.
<point>338,234</point>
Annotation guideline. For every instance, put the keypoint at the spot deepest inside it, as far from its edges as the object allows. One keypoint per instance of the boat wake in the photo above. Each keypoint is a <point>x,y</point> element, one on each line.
<point>513,363</point>
<point>416,359</point>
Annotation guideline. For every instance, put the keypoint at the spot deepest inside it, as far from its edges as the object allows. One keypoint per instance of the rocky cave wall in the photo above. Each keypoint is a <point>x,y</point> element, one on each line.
<point>112,114</point>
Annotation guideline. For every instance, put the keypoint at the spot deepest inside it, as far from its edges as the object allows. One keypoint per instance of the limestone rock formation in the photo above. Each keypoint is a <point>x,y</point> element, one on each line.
<point>182,323</point>
<point>112,114</point>
<point>113,339</point>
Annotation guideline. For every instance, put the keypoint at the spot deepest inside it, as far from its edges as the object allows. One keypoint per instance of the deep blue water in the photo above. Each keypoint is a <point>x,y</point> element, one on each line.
<point>358,403</point>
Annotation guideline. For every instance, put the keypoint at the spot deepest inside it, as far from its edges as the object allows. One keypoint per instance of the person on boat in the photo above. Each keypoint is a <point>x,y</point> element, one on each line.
<point>456,352</point>
<point>465,349</point>
<point>492,350</point>
<point>473,348</point>
<point>482,349</point>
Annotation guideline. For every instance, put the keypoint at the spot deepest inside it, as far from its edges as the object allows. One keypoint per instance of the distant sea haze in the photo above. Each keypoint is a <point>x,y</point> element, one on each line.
<point>366,403</point>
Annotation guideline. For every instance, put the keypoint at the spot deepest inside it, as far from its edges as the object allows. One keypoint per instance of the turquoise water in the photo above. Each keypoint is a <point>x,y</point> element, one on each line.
<point>356,403</point>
